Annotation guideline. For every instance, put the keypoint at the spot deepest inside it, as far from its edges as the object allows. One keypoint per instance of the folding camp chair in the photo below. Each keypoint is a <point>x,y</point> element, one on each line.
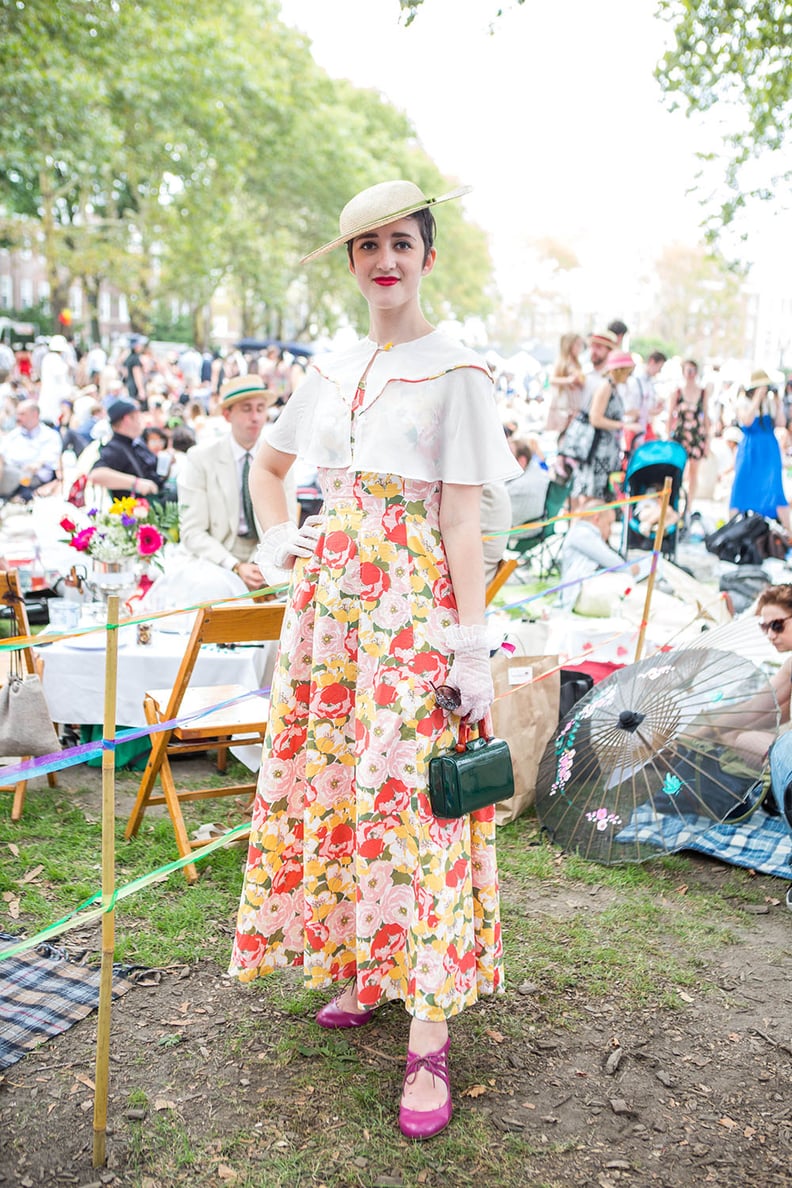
<point>238,724</point>
<point>544,542</point>
<point>11,596</point>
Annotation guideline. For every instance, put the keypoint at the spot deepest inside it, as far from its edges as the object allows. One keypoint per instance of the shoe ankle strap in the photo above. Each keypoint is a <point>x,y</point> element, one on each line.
<point>435,1063</point>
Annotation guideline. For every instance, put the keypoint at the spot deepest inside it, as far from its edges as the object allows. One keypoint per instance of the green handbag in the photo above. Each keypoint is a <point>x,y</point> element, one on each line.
<point>477,773</point>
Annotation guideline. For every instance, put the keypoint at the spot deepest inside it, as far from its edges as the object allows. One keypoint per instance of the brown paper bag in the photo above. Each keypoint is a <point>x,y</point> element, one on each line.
<point>526,718</point>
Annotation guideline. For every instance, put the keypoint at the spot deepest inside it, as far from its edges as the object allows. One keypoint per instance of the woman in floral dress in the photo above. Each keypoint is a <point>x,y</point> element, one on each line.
<point>349,874</point>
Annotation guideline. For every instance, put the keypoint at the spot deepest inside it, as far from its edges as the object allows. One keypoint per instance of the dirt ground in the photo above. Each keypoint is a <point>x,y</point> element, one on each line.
<point>672,1097</point>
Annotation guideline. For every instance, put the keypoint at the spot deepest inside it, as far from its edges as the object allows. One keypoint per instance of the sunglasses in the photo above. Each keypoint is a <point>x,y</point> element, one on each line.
<point>447,697</point>
<point>775,625</point>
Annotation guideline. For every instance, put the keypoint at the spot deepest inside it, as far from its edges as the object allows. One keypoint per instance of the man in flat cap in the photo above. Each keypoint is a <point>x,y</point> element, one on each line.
<point>126,466</point>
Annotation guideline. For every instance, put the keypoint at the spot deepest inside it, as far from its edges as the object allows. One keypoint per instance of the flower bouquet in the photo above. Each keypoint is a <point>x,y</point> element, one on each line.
<point>126,531</point>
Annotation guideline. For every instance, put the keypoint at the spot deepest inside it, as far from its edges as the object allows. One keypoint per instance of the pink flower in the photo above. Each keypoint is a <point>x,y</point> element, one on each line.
<point>149,540</point>
<point>81,541</point>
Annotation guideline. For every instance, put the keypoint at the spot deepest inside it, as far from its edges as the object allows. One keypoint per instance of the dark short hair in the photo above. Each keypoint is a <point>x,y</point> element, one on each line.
<point>428,227</point>
<point>617,326</point>
<point>154,431</point>
<point>183,439</point>
<point>658,357</point>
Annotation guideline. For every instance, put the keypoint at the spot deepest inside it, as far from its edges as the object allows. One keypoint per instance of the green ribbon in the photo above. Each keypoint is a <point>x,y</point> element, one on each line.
<point>76,920</point>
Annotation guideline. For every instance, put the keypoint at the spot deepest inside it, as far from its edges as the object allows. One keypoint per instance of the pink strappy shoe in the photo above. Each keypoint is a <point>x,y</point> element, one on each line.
<point>424,1124</point>
<point>333,1016</point>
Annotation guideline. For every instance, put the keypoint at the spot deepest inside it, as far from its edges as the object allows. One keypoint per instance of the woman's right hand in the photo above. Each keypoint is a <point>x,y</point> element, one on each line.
<point>281,544</point>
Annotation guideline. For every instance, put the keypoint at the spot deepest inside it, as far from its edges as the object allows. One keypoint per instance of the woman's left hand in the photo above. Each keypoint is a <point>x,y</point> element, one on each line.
<point>470,671</point>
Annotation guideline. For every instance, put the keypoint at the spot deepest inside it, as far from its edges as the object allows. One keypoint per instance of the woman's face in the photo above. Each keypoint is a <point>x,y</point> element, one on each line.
<point>776,622</point>
<point>388,263</point>
<point>690,371</point>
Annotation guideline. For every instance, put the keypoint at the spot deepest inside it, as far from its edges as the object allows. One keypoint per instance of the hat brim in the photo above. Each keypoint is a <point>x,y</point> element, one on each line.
<point>251,393</point>
<point>391,217</point>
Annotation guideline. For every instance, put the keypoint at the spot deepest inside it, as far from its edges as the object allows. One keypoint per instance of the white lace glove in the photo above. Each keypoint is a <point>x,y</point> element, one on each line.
<point>470,672</point>
<point>281,544</point>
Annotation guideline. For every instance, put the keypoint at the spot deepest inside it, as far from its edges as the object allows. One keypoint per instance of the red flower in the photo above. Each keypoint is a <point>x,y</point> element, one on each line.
<point>68,525</point>
<point>287,742</point>
<point>392,797</point>
<point>317,935</point>
<point>387,941</point>
<point>443,593</point>
<point>432,724</point>
<point>81,541</point>
<point>332,701</point>
<point>430,665</point>
<point>338,550</point>
<point>401,646</point>
<point>393,524</point>
<point>373,580</point>
<point>149,540</point>
<point>288,876</point>
<point>338,843</point>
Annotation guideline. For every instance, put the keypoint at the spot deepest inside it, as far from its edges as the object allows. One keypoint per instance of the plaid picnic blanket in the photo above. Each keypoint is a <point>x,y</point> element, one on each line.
<point>762,843</point>
<point>43,993</point>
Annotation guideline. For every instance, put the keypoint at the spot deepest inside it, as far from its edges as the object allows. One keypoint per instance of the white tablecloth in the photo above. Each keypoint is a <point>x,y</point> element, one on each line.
<point>74,673</point>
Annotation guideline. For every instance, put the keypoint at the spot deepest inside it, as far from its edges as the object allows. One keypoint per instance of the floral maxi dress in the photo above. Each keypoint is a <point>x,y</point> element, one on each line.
<point>348,870</point>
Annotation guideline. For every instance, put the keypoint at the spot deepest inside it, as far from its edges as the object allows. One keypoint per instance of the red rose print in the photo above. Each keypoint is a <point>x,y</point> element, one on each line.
<point>339,842</point>
<point>287,742</point>
<point>443,592</point>
<point>384,694</point>
<point>386,941</point>
<point>370,843</point>
<point>316,934</point>
<point>431,666</point>
<point>432,724</point>
<point>402,644</point>
<point>288,876</point>
<point>393,797</point>
<point>338,550</point>
<point>331,701</point>
<point>373,582</point>
<point>393,524</point>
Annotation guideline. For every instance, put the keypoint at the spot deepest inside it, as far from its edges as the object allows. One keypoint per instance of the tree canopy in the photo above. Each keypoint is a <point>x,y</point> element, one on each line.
<point>732,58</point>
<point>169,147</point>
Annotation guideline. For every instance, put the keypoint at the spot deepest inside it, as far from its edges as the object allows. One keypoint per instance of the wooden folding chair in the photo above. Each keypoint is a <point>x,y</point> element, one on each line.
<point>506,567</point>
<point>239,724</point>
<point>11,596</point>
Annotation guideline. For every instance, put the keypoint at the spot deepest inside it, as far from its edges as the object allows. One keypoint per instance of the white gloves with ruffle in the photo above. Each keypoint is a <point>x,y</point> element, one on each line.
<point>283,542</point>
<point>470,672</point>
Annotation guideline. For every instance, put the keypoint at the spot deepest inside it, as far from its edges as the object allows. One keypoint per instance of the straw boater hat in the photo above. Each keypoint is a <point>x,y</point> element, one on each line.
<point>606,338</point>
<point>242,387</point>
<point>759,379</point>
<point>379,205</point>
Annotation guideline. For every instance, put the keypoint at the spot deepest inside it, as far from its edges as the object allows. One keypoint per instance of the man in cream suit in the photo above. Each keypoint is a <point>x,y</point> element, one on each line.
<point>216,522</point>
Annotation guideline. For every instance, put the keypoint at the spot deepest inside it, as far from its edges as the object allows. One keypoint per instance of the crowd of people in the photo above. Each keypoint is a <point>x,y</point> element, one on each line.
<point>350,874</point>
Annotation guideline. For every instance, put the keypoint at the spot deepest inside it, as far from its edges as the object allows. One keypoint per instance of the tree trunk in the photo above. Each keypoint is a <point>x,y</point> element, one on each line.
<point>59,287</point>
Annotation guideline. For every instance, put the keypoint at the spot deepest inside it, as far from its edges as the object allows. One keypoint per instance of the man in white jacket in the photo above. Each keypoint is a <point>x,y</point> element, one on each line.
<point>216,521</point>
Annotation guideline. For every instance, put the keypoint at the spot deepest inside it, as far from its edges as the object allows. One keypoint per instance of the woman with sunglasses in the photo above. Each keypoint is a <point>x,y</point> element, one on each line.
<point>349,874</point>
<point>774,608</point>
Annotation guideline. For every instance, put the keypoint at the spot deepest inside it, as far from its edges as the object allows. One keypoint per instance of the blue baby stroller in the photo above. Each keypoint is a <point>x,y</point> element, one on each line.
<point>649,466</point>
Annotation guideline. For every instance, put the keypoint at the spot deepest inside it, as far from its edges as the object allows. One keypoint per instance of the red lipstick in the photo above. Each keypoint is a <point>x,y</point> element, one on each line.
<point>386,281</point>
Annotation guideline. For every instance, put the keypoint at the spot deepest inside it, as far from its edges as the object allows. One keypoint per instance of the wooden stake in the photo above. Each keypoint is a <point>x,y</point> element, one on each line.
<point>665,498</point>
<point>102,1072</point>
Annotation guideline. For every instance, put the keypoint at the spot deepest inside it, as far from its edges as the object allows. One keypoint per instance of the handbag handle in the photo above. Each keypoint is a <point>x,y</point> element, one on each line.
<point>484,730</point>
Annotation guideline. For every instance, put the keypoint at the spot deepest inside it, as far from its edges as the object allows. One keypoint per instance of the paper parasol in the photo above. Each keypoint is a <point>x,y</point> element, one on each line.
<point>679,736</point>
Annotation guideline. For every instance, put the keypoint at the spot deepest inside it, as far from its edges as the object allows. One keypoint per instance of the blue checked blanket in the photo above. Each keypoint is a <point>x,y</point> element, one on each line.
<point>43,993</point>
<point>763,843</point>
